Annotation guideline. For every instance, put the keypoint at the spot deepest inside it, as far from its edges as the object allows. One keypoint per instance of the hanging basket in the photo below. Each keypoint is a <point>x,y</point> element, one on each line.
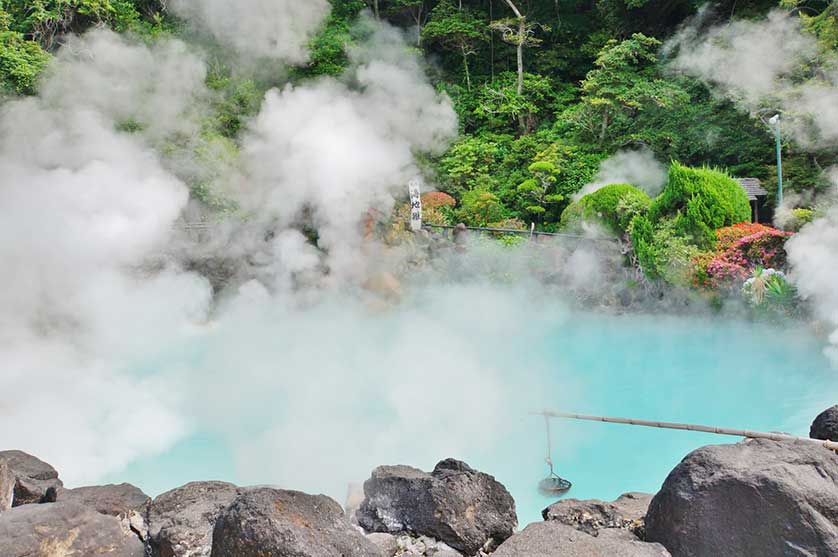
<point>554,485</point>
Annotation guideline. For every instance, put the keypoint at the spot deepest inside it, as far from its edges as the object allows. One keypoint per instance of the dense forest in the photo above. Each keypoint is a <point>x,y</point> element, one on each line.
<point>545,91</point>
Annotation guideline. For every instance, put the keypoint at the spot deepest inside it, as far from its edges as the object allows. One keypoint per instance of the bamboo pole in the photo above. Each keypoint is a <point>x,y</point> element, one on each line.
<point>832,445</point>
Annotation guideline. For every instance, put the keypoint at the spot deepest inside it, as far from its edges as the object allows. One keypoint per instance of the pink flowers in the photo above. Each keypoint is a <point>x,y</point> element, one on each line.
<point>740,249</point>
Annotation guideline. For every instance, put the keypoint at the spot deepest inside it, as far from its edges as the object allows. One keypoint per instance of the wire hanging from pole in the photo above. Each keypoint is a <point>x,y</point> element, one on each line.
<point>552,484</point>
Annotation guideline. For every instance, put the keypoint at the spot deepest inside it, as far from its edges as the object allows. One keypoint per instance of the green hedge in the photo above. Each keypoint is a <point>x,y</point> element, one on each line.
<point>614,206</point>
<point>700,200</point>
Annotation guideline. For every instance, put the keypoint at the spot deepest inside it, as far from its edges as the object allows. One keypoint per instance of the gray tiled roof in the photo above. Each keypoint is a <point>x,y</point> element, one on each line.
<point>753,187</point>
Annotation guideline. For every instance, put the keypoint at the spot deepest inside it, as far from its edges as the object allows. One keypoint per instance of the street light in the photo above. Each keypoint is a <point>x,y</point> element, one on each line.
<point>775,121</point>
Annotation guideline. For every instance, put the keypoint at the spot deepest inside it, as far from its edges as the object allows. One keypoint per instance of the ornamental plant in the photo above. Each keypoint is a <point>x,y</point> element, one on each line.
<point>613,206</point>
<point>700,200</point>
<point>740,249</point>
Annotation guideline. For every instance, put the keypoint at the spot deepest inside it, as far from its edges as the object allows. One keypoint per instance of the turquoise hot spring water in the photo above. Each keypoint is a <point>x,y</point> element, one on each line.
<point>718,372</point>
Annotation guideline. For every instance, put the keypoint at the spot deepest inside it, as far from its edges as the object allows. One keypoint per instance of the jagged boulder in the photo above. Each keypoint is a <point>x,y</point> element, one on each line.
<point>181,521</point>
<point>266,522</point>
<point>466,509</point>
<point>124,501</point>
<point>825,426</point>
<point>64,529</point>
<point>35,480</point>
<point>593,515</point>
<point>757,497</point>
<point>554,539</point>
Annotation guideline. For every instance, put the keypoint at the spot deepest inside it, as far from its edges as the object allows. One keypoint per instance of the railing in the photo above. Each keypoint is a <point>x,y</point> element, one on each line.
<point>531,233</point>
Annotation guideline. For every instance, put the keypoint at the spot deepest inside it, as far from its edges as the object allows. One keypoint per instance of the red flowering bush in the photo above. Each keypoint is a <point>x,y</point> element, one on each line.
<point>740,249</point>
<point>437,199</point>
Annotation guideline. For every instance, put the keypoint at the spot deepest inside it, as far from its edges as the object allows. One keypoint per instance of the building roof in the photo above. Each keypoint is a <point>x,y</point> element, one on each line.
<point>753,187</point>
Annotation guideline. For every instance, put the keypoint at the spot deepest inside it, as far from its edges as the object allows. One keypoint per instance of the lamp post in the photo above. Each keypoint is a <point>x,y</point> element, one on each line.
<point>775,121</point>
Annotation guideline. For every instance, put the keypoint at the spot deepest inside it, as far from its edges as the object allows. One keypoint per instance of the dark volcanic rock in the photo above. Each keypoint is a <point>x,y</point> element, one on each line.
<point>64,529</point>
<point>590,516</point>
<point>124,501</point>
<point>825,426</point>
<point>35,480</point>
<point>454,504</point>
<point>553,539</point>
<point>265,522</point>
<point>757,497</point>
<point>180,522</point>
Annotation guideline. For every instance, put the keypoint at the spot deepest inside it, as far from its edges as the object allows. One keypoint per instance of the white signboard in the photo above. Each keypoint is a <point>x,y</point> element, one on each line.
<point>415,205</point>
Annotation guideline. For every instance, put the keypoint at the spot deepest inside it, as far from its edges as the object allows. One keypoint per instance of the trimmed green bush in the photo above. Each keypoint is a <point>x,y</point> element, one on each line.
<point>700,200</point>
<point>613,206</point>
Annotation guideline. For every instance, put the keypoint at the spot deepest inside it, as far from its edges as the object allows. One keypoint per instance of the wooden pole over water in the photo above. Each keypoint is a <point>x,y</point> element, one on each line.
<point>832,445</point>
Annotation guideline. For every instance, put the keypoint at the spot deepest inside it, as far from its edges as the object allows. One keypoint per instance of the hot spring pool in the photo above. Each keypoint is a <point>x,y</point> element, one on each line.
<point>714,372</point>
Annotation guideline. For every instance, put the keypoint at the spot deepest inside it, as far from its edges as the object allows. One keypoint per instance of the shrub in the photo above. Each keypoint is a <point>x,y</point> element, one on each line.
<point>798,218</point>
<point>614,206</point>
<point>662,252</point>
<point>642,238</point>
<point>700,200</point>
<point>21,62</point>
<point>741,249</point>
<point>437,199</point>
<point>480,207</point>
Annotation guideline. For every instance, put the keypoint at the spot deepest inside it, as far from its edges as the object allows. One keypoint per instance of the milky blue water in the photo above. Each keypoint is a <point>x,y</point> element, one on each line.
<point>680,369</point>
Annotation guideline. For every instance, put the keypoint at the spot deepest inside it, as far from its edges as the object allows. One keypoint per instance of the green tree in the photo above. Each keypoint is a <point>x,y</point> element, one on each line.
<point>519,32</point>
<point>625,82</point>
<point>457,28</point>
<point>21,61</point>
<point>539,190</point>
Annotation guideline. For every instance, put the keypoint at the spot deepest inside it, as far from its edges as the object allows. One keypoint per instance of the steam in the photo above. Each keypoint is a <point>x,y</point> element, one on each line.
<point>81,207</point>
<point>758,64</point>
<point>813,254</point>
<point>115,352</point>
<point>275,29</point>
<point>638,167</point>
<point>339,152</point>
<point>755,62</point>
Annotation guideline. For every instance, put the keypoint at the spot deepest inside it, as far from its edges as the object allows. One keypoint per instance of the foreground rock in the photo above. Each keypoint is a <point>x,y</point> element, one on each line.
<point>757,497</point>
<point>125,502</point>
<point>553,539</point>
<point>265,522</point>
<point>825,426</point>
<point>64,529</point>
<point>591,516</point>
<point>466,509</point>
<point>181,521</point>
<point>35,480</point>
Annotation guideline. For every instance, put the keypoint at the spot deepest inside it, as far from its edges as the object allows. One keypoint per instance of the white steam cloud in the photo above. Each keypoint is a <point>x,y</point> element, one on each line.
<point>338,152</point>
<point>81,207</point>
<point>754,62</point>
<point>275,29</point>
<point>637,167</point>
<point>115,352</point>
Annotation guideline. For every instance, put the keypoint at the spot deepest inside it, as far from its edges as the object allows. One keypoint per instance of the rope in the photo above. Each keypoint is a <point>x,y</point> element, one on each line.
<point>549,458</point>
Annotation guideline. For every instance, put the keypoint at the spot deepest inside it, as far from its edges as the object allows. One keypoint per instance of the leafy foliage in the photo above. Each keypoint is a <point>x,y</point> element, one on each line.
<point>613,206</point>
<point>700,200</point>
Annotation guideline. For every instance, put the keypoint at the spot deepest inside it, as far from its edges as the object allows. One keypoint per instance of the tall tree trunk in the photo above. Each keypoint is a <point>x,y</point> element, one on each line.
<point>604,127</point>
<point>375,9</point>
<point>465,67</point>
<point>492,40</point>
<point>521,30</point>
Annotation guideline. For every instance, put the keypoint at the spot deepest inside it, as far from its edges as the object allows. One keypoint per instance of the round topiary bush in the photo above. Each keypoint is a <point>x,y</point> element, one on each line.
<point>700,200</point>
<point>612,206</point>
